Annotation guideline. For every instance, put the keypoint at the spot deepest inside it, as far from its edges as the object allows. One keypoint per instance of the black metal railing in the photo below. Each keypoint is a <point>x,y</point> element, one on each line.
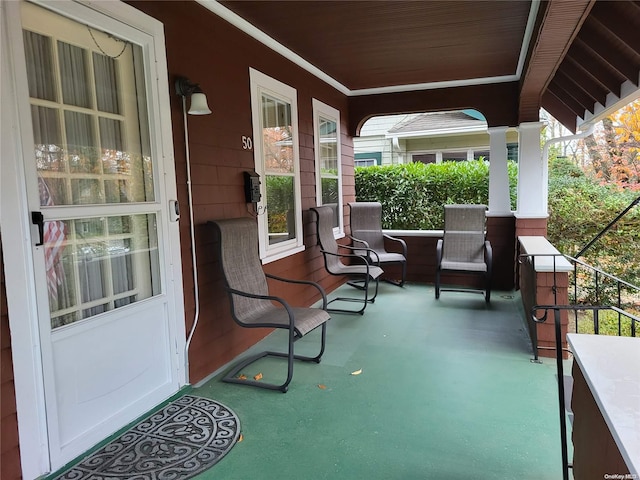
<point>593,286</point>
<point>543,311</point>
<point>598,298</point>
<point>608,227</point>
<point>591,290</point>
<point>608,299</point>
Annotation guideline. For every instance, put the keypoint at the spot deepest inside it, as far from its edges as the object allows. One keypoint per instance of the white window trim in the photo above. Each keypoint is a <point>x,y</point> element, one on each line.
<point>326,111</point>
<point>261,83</point>
<point>18,257</point>
<point>441,154</point>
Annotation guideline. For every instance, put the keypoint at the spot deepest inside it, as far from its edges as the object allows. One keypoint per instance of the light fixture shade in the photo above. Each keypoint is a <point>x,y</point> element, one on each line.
<point>199,104</point>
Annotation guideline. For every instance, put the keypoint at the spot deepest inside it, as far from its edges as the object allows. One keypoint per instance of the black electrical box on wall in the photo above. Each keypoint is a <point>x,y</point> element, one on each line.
<point>252,187</point>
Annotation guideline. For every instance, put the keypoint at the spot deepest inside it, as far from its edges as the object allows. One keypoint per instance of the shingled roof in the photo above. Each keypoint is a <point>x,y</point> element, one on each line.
<point>438,121</point>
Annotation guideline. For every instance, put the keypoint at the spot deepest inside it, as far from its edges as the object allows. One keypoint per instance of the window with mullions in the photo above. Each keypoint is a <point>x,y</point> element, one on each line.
<point>277,161</point>
<point>91,147</point>
<point>326,127</point>
<point>367,159</point>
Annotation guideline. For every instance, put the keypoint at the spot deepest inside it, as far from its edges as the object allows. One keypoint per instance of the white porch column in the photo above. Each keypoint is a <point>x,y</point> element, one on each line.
<point>532,173</point>
<point>499,202</point>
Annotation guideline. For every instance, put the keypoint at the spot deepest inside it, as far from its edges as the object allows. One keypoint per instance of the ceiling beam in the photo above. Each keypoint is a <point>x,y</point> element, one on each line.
<point>601,71</point>
<point>574,89</point>
<point>559,110</point>
<point>621,19</point>
<point>559,24</point>
<point>588,82</point>
<point>611,51</point>
<point>566,98</point>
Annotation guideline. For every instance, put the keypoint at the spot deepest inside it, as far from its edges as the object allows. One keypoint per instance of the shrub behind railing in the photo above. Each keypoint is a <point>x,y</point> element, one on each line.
<point>579,208</point>
<point>413,194</point>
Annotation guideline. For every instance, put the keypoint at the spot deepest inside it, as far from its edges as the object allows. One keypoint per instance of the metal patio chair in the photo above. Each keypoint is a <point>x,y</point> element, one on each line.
<point>464,248</point>
<point>251,304</point>
<point>361,267</point>
<point>366,231</point>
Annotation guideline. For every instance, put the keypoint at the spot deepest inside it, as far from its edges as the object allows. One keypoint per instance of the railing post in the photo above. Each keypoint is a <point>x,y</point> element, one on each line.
<point>561,405</point>
<point>619,306</point>
<point>534,287</point>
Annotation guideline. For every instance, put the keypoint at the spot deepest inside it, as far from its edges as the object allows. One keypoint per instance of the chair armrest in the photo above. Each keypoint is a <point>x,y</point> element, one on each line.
<point>303,282</point>
<point>281,301</point>
<point>402,243</point>
<point>488,255</point>
<point>439,253</point>
<point>357,240</point>
<point>362,258</point>
<point>370,252</point>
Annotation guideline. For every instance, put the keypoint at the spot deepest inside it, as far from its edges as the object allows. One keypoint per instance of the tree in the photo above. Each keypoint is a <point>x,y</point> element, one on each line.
<point>614,149</point>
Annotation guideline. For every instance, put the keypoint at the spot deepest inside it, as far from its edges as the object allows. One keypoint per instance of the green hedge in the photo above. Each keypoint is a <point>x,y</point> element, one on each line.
<point>413,194</point>
<point>579,208</point>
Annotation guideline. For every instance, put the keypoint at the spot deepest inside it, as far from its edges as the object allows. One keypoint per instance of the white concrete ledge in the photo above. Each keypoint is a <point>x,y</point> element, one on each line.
<point>547,258</point>
<point>415,233</point>
<point>609,365</point>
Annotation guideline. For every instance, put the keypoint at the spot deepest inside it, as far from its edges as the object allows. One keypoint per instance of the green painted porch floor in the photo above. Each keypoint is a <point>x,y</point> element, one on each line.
<point>447,391</point>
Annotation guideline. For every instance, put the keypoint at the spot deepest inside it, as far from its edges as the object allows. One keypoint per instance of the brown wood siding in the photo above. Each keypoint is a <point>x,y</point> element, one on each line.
<point>9,448</point>
<point>531,227</point>
<point>595,452</point>
<point>211,52</point>
<point>501,233</point>
<point>527,227</point>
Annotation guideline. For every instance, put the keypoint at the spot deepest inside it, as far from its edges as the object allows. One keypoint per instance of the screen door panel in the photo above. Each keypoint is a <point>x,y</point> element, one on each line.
<point>106,338</point>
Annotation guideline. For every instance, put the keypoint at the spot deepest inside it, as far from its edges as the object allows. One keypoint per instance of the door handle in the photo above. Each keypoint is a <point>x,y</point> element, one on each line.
<point>38,219</point>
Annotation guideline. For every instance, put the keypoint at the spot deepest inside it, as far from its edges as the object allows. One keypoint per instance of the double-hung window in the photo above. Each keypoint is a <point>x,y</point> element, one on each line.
<point>277,161</point>
<point>326,125</point>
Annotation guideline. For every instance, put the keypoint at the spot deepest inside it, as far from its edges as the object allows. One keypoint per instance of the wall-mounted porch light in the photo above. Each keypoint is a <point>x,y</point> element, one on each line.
<point>185,88</point>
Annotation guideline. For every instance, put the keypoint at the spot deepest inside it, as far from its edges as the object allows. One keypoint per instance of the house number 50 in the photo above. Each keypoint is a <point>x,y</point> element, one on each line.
<point>247,143</point>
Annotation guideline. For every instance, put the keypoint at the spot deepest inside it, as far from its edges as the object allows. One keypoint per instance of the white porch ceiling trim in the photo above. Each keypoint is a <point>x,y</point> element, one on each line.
<point>223,12</point>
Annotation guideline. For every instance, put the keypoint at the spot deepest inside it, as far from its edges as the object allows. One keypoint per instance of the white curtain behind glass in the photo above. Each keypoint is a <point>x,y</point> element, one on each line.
<point>75,146</point>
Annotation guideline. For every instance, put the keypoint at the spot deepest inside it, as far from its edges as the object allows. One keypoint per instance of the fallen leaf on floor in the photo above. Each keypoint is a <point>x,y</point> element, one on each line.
<point>242,376</point>
<point>240,438</point>
<point>257,376</point>
<point>357,372</point>
<point>322,387</point>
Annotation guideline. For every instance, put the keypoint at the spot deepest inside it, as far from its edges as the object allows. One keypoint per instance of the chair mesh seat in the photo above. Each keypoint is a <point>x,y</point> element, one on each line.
<point>305,319</point>
<point>339,268</point>
<point>465,266</point>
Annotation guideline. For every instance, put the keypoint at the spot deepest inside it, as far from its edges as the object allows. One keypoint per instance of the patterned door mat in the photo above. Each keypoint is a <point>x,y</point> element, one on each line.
<point>183,439</point>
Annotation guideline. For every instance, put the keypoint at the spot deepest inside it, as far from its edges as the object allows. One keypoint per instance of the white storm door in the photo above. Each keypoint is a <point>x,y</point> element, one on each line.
<point>110,326</point>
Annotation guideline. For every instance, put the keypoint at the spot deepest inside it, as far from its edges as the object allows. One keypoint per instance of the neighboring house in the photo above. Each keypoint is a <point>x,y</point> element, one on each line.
<point>427,138</point>
<point>103,277</point>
